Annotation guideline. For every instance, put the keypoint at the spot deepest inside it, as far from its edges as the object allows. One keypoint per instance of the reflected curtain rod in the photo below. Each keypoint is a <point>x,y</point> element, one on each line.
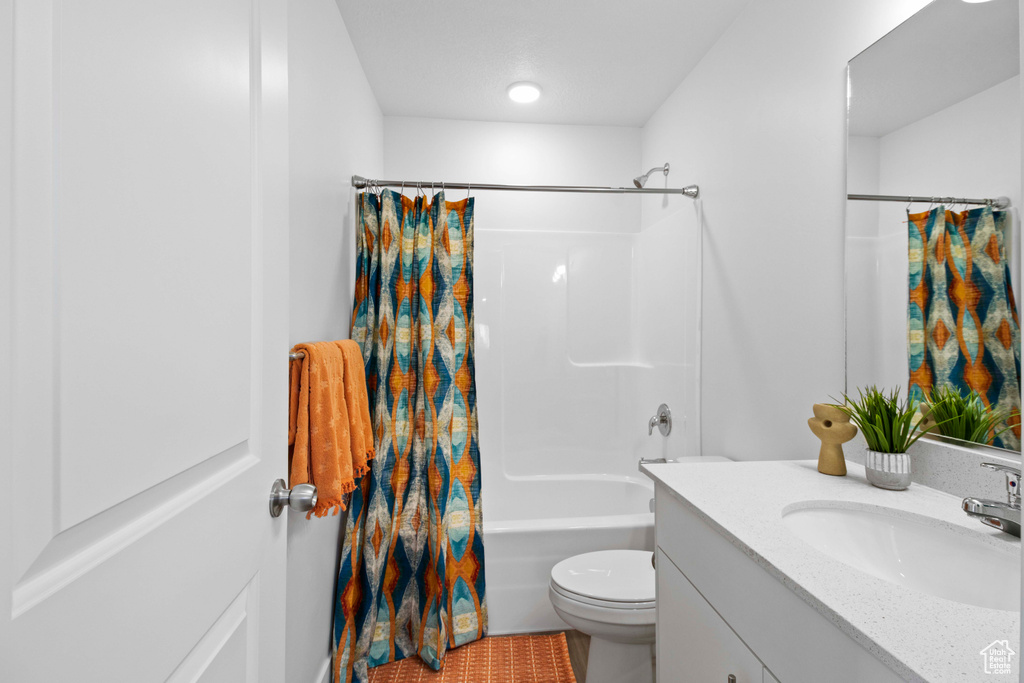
<point>997,203</point>
<point>691,191</point>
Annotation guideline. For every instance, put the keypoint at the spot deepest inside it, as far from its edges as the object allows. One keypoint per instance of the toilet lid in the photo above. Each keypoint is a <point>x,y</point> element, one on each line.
<point>625,576</point>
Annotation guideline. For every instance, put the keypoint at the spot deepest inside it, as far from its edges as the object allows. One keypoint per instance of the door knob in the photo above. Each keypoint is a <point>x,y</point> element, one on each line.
<point>302,498</point>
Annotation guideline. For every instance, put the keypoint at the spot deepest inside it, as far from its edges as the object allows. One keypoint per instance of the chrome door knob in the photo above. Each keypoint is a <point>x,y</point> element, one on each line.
<point>302,498</point>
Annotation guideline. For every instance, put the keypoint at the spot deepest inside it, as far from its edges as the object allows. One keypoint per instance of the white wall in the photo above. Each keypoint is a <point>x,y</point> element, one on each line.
<point>970,149</point>
<point>863,267</point>
<point>759,125</point>
<point>523,154</point>
<point>336,131</point>
<point>862,178</point>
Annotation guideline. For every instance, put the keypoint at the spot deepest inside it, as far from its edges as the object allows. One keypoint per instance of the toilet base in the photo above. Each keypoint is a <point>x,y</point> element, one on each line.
<point>611,662</point>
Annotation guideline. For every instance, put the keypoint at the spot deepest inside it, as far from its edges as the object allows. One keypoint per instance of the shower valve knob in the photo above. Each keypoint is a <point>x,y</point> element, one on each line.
<point>663,421</point>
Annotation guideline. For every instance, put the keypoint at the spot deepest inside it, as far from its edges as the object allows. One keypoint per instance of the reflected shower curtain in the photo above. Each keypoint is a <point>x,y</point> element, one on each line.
<point>411,578</point>
<point>962,325</point>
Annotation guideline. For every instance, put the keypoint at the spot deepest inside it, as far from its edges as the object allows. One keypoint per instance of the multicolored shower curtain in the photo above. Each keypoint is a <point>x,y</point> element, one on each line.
<point>962,325</point>
<point>411,578</point>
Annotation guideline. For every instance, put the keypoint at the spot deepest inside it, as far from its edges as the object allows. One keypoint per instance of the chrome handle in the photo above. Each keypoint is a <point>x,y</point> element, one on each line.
<point>302,498</point>
<point>1012,480</point>
<point>999,467</point>
<point>663,421</point>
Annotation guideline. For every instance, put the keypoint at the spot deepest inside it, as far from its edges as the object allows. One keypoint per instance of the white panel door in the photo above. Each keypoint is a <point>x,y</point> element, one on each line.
<point>143,289</point>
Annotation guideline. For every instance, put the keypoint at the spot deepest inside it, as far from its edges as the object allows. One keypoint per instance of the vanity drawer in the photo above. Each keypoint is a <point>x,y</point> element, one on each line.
<point>694,644</point>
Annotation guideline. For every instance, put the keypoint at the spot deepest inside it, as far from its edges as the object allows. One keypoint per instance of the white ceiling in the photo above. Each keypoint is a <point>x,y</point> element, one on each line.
<point>600,62</point>
<point>945,53</point>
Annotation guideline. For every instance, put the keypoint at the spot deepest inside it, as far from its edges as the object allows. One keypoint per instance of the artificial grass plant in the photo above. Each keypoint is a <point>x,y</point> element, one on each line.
<point>887,423</point>
<point>963,417</point>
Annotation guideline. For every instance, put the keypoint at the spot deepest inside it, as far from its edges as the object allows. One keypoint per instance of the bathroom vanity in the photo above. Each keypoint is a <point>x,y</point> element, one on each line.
<point>771,571</point>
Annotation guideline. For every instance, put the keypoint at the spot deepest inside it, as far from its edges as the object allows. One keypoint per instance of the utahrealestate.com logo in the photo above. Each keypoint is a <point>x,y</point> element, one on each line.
<point>997,657</point>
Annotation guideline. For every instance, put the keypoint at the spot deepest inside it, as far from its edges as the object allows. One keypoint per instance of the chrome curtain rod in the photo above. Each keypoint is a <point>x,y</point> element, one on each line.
<point>692,191</point>
<point>997,203</point>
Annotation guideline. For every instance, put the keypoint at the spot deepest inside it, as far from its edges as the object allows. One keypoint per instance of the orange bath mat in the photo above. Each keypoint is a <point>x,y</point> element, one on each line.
<point>502,659</point>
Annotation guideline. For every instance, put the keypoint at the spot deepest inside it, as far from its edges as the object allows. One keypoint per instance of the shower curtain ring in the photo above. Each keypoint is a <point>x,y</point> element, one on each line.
<point>469,189</point>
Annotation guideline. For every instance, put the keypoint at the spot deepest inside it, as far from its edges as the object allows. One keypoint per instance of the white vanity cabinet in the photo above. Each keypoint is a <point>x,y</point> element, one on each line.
<point>702,648</point>
<point>721,614</point>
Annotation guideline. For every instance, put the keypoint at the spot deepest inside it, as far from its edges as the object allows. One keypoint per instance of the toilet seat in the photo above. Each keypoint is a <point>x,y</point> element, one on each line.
<point>609,579</point>
<point>597,602</point>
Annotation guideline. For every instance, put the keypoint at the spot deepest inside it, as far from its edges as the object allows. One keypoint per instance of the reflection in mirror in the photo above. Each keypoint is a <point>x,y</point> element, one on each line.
<point>932,265</point>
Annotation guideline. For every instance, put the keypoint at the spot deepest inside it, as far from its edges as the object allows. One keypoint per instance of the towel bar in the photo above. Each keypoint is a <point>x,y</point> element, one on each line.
<point>298,355</point>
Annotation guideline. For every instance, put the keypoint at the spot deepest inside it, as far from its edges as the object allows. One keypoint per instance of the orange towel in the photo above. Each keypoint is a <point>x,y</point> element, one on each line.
<point>358,403</point>
<point>328,422</point>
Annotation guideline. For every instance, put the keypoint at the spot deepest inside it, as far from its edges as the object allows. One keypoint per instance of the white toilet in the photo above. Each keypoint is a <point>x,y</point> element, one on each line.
<point>609,595</point>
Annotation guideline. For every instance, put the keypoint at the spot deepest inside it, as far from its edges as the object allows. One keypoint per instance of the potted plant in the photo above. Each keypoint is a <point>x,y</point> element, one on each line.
<point>890,429</point>
<point>962,417</point>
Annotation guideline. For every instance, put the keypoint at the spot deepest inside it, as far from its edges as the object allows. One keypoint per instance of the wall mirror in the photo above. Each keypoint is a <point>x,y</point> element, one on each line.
<point>934,119</point>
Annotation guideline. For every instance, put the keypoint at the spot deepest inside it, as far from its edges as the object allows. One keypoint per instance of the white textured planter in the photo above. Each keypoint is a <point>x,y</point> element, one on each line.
<point>888,470</point>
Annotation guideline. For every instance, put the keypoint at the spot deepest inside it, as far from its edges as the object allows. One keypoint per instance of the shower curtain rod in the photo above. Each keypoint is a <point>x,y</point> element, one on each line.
<point>692,191</point>
<point>997,203</point>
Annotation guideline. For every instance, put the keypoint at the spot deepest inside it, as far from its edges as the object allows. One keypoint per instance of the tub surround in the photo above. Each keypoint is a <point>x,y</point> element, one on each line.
<point>916,636</point>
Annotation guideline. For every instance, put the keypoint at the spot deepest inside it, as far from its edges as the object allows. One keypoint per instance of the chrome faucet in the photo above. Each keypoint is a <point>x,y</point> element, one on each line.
<point>663,421</point>
<point>1002,516</point>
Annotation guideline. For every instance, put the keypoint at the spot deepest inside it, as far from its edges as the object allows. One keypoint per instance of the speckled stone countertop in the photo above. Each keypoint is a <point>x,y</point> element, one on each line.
<point>917,635</point>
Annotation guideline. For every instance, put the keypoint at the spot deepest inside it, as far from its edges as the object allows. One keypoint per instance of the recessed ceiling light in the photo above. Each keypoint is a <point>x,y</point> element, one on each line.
<point>523,92</point>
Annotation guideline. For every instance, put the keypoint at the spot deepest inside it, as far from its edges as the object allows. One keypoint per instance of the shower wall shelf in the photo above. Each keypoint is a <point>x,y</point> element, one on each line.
<point>691,191</point>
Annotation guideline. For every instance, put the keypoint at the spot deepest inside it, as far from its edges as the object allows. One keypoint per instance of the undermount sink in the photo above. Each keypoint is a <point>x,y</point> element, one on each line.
<point>911,550</point>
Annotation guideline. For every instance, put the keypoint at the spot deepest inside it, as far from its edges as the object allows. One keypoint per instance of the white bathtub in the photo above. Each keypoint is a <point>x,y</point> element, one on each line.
<point>535,522</point>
